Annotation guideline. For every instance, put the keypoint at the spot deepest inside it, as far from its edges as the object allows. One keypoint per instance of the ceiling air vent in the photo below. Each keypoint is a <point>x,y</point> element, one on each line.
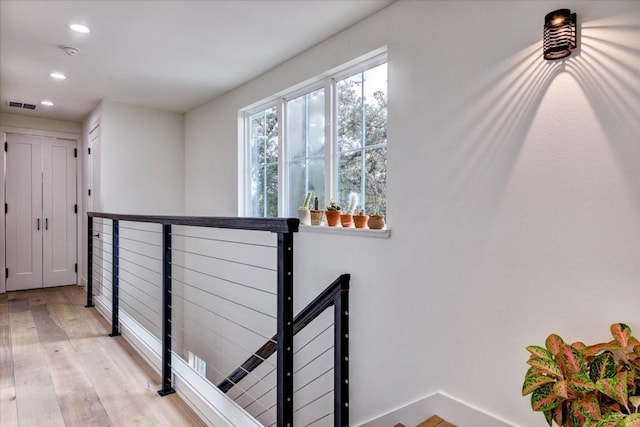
<point>24,105</point>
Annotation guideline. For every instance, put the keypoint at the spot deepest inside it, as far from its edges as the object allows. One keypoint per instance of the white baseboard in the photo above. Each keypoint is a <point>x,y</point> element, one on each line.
<point>213,406</point>
<point>451,409</point>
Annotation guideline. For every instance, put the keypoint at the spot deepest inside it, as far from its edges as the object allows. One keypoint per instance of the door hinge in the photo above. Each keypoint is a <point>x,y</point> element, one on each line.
<point>6,273</point>
<point>6,146</point>
<point>76,267</point>
<point>75,208</point>
<point>6,208</point>
<point>89,150</point>
<point>75,152</point>
<point>89,191</point>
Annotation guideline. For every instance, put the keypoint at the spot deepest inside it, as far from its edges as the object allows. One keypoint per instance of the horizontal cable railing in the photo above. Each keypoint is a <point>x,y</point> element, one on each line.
<point>210,291</point>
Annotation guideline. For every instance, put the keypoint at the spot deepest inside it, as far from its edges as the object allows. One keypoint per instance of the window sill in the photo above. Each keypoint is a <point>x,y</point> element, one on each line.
<point>361,232</point>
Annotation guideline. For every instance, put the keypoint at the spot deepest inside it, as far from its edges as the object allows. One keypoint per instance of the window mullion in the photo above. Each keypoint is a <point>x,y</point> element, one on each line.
<point>330,143</point>
<point>283,186</point>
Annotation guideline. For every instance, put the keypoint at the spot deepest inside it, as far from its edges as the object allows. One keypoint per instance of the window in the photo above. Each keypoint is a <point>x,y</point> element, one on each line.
<point>199,365</point>
<point>312,152</point>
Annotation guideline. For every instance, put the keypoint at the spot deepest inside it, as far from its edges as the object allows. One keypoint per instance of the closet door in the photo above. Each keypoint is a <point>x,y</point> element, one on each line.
<point>24,225</point>
<point>58,211</point>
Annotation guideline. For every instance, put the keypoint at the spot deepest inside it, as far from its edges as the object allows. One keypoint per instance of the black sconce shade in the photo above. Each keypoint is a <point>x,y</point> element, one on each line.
<point>559,34</point>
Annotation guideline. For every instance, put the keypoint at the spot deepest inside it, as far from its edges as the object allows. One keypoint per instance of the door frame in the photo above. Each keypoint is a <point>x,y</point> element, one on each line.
<point>79,185</point>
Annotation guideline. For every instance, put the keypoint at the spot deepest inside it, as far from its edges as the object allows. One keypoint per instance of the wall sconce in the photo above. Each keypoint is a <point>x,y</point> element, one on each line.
<point>559,34</point>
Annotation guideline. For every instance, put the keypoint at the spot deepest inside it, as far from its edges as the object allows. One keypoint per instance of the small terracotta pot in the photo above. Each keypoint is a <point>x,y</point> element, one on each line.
<point>304,215</point>
<point>333,218</point>
<point>347,220</point>
<point>376,222</point>
<point>316,217</point>
<point>361,221</point>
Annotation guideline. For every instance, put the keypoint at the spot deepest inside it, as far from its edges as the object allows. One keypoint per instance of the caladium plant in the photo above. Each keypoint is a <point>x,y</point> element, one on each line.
<point>576,385</point>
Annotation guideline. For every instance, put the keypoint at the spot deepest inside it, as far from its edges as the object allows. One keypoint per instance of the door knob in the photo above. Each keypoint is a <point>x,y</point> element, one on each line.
<point>97,235</point>
<point>38,224</point>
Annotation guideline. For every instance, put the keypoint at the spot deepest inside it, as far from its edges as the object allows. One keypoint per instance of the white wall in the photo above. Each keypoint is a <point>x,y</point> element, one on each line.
<point>142,160</point>
<point>34,126</point>
<point>514,195</point>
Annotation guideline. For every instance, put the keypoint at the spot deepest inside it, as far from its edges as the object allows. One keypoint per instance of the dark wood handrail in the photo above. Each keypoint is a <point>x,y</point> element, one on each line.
<point>274,225</point>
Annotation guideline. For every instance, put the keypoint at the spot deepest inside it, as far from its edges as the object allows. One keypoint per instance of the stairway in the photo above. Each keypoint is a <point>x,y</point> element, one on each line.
<point>434,421</point>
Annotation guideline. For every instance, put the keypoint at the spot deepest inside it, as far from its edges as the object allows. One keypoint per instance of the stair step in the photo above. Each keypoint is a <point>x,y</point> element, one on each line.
<point>434,421</point>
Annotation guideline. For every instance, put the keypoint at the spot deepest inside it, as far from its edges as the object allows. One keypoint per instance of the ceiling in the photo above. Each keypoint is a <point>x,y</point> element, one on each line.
<point>172,55</point>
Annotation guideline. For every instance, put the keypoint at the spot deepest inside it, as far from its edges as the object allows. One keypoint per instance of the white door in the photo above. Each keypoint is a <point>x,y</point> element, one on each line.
<point>94,203</point>
<point>41,212</point>
<point>24,224</point>
<point>59,212</point>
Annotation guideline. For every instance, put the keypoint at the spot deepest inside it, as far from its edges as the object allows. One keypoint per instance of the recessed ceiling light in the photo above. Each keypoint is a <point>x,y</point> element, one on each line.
<point>58,76</point>
<point>47,103</point>
<point>79,28</point>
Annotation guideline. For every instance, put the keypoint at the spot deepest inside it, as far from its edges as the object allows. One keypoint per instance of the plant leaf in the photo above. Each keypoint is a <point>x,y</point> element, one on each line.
<point>553,344</point>
<point>610,419</point>
<point>532,382</point>
<point>632,420</point>
<point>603,366</point>
<point>547,366</point>
<point>578,345</point>
<point>588,407</point>
<point>543,398</point>
<point>581,383</point>
<point>537,351</point>
<point>615,387</point>
<point>592,350</point>
<point>558,415</point>
<point>560,388</point>
<point>571,359</point>
<point>635,401</point>
<point>621,333</point>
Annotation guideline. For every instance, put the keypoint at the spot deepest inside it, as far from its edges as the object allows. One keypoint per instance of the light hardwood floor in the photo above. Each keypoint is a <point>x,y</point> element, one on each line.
<point>59,367</point>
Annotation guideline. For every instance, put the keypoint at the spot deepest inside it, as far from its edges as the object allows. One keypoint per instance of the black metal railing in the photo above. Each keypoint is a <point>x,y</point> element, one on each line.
<point>153,277</point>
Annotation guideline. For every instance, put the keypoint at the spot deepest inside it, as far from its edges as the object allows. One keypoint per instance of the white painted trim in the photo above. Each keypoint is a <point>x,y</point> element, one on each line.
<point>439,403</point>
<point>212,405</point>
<point>380,234</point>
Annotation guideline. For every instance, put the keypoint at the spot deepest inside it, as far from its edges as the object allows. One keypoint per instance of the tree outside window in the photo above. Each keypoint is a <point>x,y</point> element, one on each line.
<point>357,140</point>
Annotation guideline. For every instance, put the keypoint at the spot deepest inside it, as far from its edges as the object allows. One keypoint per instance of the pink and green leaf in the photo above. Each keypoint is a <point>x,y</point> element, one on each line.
<point>537,351</point>
<point>611,419</point>
<point>581,383</point>
<point>543,398</point>
<point>579,345</point>
<point>553,343</point>
<point>588,407</point>
<point>571,359</point>
<point>560,388</point>
<point>621,333</point>
<point>632,420</point>
<point>603,366</point>
<point>615,388</point>
<point>532,382</point>
<point>635,402</point>
<point>592,350</point>
<point>546,366</point>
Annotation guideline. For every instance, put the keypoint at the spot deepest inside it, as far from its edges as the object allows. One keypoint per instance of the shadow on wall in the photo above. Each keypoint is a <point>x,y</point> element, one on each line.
<point>604,69</point>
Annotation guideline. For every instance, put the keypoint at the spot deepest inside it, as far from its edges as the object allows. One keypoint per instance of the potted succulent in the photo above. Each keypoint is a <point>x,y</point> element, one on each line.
<point>333,214</point>
<point>376,221</point>
<point>346,218</point>
<point>586,385</point>
<point>361,220</point>
<point>304,211</point>
<point>316,214</point>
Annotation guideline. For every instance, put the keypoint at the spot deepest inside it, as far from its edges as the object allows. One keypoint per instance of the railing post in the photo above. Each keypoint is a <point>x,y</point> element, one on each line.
<point>341,354</point>
<point>115,279</point>
<point>285,330</point>
<point>167,387</point>
<point>89,262</point>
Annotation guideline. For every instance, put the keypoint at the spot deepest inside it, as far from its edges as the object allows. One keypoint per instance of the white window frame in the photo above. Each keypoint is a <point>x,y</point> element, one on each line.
<point>328,82</point>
